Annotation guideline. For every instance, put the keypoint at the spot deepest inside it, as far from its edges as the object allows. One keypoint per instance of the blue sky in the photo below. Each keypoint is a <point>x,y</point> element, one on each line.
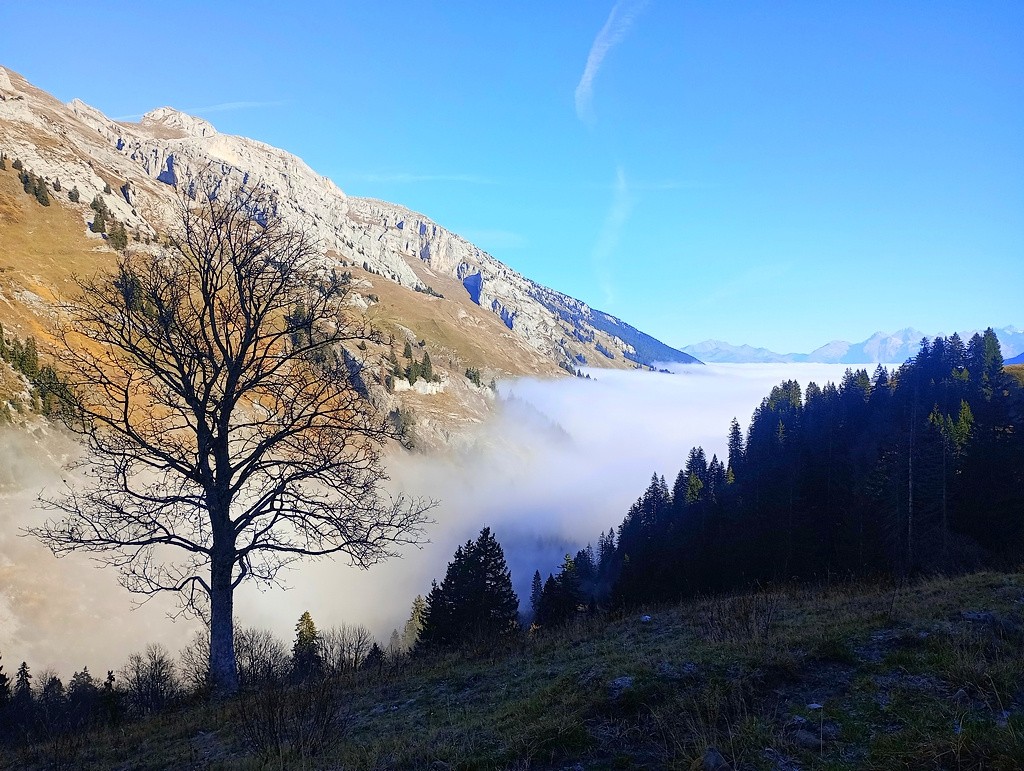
<point>780,174</point>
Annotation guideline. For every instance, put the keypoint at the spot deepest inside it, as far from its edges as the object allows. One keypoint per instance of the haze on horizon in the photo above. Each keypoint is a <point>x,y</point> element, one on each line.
<point>773,176</point>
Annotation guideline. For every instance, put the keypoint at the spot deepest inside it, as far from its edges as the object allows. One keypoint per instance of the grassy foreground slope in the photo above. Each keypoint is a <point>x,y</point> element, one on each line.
<point>849,677</point>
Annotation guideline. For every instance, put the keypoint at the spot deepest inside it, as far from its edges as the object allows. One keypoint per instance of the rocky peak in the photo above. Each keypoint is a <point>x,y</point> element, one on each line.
<point>146,163</point>
<point>170,118</point>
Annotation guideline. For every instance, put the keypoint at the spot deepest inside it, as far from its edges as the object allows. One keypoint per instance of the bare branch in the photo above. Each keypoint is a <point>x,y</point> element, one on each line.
<point>226,436</point>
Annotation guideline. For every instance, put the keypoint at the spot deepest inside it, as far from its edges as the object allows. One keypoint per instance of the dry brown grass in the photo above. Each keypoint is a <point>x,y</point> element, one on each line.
<point>42,249</point>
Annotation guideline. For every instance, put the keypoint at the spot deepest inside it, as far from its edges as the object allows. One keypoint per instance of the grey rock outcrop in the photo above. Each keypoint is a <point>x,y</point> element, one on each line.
<point>148,162</point>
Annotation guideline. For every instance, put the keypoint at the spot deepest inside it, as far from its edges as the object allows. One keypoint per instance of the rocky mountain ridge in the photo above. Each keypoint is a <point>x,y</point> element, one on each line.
<point>880,348</point>
<point>145,164</point>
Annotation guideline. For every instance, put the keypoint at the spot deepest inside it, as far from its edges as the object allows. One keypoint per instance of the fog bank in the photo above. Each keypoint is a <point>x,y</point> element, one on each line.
<point>557,463</point>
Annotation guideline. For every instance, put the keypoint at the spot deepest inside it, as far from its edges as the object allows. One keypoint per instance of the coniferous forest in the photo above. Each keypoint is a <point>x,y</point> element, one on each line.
<point>894,473</point>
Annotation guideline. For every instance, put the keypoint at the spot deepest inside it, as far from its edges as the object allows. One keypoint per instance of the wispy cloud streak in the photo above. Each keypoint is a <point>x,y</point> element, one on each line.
<point>621,18</point>
<point>231,106</point>
<point>611,233</point>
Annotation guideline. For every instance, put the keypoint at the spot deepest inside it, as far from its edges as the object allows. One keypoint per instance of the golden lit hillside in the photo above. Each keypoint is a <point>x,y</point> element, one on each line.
<point>42,249</point>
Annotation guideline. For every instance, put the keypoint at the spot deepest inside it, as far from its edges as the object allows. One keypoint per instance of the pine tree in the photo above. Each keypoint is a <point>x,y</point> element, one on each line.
<point>536,592</point>
<point>40,192</point>
<point>374,660</point>
<point>426,368</point>
<point>407,351</point>
<point>99,222</point>
<point>561,598</point>
<point>412,372</point>
<point>118,237</point>
<point>23,686</point>
<point>475,603</point>
<point>411,630</point>
<point>74,195</point>
<point>736,450</point>
<point>307,660</point>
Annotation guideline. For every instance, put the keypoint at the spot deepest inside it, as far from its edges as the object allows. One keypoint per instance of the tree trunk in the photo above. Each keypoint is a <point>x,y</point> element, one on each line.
<point>223,669</point>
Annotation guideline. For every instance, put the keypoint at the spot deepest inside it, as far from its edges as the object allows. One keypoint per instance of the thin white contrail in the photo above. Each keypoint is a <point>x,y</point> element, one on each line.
<point>621,18</point>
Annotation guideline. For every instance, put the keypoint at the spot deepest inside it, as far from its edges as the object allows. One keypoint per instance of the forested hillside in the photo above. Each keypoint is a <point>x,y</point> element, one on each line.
<point>911,471</point>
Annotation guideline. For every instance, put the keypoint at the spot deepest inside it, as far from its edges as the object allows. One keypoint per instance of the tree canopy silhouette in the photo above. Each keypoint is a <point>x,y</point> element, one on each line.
<point>227,432</point>
<point>475,603</point>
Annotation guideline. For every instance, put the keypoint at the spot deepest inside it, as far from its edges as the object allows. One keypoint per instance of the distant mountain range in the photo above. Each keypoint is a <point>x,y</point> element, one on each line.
<point>880,348</point>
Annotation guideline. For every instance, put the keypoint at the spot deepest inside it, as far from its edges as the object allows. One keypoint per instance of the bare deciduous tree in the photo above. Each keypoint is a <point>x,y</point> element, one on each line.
<point>227,436</point>
<point>344,648</point>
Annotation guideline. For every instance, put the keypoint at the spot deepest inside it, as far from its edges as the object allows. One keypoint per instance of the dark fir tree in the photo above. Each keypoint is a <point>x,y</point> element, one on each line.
<point>536,592</point>
<point>475,603</point>
<point>374,661</point>
<point>307,659</point>
<point>562,598</point>
<point>23,688</point>
<point>118,236</point>
<point>735,460</point>
<point>99,222</point>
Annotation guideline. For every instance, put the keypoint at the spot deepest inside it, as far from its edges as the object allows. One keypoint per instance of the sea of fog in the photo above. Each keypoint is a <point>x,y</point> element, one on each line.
<point>559,462</point>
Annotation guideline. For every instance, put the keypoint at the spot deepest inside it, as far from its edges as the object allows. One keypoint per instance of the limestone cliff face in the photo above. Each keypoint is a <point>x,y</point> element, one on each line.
<point>146,163</point>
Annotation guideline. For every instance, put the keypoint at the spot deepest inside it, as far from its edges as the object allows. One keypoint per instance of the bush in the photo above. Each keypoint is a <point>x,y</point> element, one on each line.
<point>284,725</point>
